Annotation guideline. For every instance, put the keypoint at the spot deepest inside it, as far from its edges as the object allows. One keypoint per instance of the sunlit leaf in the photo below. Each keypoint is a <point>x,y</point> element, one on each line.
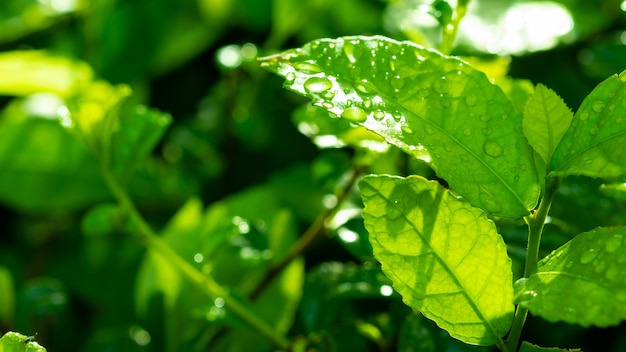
<point>16,342</point>
<point>546,118</point>
<point>434,107</point>
<point>581,282</point>
<point>29,72</point>
<point>616,190</point>
<point>444,256</point>
<point>594,144</point>
<point>529,347</point>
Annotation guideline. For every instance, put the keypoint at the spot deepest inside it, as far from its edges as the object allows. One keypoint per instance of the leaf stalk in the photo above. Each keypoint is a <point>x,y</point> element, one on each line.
<point>535,222</point>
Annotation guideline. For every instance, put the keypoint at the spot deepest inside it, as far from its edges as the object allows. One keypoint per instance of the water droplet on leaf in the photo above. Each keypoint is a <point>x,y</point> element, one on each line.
<point>307,67</point>
<point>613,243</point>
<point>584,115</point>
<point>486,131</point>
<point>493,149</point>
<point>397,82</point>
<point>317,84</point>
<point>407,130</point>
<point>379,115</point>
<point>354,114</point>
<point>588,256</point>
<point>471,100</point>
<point>598,106</point>
<point>290,77</point>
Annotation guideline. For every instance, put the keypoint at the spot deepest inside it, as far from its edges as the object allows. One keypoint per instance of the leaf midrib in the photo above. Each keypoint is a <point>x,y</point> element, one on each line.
<point>464,290</point>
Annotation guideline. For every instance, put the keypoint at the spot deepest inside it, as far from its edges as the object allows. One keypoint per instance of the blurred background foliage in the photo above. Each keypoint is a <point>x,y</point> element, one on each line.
<point>241,167</point>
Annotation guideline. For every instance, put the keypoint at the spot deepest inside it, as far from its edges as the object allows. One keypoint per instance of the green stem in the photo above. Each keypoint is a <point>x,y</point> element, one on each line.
<point>451,29</point>
<point>310,236</point>
<point>204,282</point>
<point>535,223</point>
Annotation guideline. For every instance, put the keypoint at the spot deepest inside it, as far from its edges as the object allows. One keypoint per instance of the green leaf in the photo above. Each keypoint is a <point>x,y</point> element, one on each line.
<point>16,342</point>
<point>581,282</point>
<point>615,190</point>
<point>236,240</point>
<point>47,165</point>
<point>594,144</point>
<point>30,72</point>
<point>546,118</point>
<point>434,107</point>
<point>529,347</point>
<point>444,256</point>
<point>140,129</point>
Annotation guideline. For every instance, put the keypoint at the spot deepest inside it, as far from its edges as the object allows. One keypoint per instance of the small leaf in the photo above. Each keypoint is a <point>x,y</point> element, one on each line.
<point>16,342</point>
<point>434,107</point>
<point>529,347</point>
<point>444,256</point>
<point>581,282</point>
<point>594,144</point>
<point>546,118</point>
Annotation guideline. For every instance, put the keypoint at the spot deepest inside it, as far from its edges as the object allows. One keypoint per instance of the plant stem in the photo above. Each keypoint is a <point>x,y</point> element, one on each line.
<point>310,236</point>
<point>204,282</point>
<point>535,223</point>
<point>451,29</point>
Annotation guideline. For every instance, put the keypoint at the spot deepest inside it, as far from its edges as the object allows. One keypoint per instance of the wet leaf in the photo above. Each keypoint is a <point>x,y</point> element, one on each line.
<point>428,105</point>
<point>546,118</point>
<point>594,144</point>
<point>16,342</point>
<point>443,256</point>
<point>582,282</point>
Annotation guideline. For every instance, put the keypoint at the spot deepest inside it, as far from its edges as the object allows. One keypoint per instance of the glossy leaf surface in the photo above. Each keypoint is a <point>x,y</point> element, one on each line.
<point>436,108</point>
<point>582,282</point>
<point>594,144</point>
<point>546,118</point>
<point>444,256</point>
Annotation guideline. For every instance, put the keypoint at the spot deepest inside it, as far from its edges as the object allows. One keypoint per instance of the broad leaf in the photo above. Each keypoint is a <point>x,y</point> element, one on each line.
<point>444,256</point>
<point>582,282</point>
<point>594,144</point>
<point>434,107</point>
<point>529,347</point>
<point>15,342</point>
<point>546,118</point>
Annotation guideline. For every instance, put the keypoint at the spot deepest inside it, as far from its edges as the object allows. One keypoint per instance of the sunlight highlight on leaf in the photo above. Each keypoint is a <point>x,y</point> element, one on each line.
<point>444,256</point>
<point>435,108</point>
<point>582,282</point>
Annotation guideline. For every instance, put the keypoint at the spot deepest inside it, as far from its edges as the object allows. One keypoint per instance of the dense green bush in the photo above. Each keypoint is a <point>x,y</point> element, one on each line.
<point>161,191</point>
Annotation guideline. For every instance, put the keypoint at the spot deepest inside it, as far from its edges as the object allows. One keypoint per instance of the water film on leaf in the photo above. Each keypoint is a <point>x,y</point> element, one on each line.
<point>582,282</point>
<point>434,107</point>
<point>443,256</point>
